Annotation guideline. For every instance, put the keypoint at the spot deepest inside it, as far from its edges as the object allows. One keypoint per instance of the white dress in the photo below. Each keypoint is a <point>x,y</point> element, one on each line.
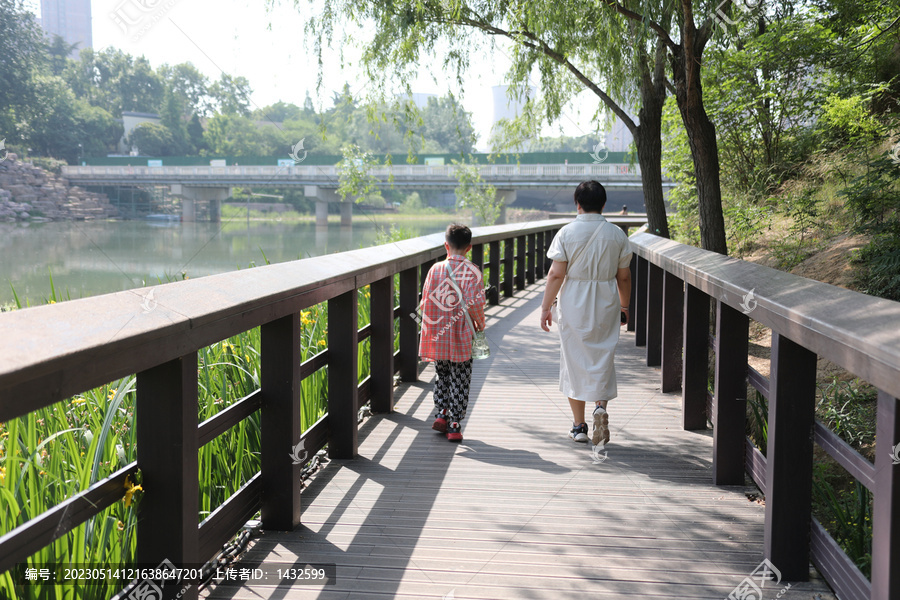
<point>588,308</point>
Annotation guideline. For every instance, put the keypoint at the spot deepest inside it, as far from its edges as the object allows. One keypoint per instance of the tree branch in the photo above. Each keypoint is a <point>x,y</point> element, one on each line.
<point>540,45</point>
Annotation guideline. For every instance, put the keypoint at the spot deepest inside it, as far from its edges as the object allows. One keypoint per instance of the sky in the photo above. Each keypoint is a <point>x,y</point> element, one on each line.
<point>241,37</point>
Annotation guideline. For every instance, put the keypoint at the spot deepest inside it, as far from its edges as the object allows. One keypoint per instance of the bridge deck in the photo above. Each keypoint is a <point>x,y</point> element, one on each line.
<point>519,510</point>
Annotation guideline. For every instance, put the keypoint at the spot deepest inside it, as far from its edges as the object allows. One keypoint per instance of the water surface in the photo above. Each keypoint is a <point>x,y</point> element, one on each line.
<point>93,257</point>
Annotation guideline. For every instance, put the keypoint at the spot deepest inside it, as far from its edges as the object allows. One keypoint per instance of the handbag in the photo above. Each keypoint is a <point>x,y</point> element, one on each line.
<point>480,348</point>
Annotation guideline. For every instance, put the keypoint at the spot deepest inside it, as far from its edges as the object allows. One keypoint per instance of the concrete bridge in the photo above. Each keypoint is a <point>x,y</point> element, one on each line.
<point>213,184</point>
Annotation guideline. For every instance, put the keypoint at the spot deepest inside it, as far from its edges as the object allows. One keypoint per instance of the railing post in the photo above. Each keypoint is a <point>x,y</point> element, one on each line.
<point>672,332</point>
<point>789,457</point>
<point>409,327</point>
<point>381,345</point>
<point>539,255</point>
<point>530,269</point>
<point>280,422</point>
<point>508,267</point>
<point>343,376</point>
<point>520,262</point>
<point>423,273</point>
<point>695,371</point>
<point>166,435</point>
<point>886,509</point>
<point>654,315</point>
<point>548,238</point>
<point>730,402</point>
<point>478,256</point>
<point>494,275</point>
<point>640,302</point>
<point>631,303</point>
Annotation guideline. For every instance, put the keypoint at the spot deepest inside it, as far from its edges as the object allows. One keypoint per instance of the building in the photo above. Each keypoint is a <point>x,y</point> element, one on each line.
<point>130,120</point>
<point>69,19</point>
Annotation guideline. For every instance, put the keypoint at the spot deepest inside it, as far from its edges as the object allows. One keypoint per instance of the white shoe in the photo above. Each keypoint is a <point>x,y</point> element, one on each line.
<point>600,431</point>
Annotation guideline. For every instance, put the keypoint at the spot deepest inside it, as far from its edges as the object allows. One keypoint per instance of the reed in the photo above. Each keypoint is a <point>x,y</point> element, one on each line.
<point>53,453</point>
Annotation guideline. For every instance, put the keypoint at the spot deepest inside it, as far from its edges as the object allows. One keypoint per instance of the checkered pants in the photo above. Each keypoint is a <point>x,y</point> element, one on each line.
<point>451,390</point>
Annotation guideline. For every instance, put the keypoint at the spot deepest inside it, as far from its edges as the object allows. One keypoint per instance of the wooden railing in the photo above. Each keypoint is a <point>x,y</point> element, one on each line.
<point>50,353</point>
<point>674,285</point>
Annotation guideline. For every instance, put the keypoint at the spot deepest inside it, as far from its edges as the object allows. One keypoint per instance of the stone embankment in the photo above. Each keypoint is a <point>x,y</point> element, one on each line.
<point>29,193</point>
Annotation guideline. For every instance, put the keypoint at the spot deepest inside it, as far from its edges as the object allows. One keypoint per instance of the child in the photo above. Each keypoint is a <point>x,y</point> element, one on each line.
<point>446,335</point>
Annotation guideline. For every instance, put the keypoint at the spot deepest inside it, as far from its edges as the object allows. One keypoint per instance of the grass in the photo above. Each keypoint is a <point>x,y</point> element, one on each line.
<point>839,502</point>
<point>53,453</point>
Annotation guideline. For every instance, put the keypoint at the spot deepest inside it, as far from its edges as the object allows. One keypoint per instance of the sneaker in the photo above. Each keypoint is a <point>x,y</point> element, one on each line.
<point>454,432</point>
<point>440,423</point>
<point>579,434</point>
<point>600,431</point>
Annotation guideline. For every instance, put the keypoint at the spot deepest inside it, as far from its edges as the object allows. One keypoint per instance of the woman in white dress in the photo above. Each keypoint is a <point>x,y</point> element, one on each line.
<point>591,263</point>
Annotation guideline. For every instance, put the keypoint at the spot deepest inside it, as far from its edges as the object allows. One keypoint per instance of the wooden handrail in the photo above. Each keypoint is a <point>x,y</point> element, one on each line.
<point>808,319</point>
<point>49,353</point>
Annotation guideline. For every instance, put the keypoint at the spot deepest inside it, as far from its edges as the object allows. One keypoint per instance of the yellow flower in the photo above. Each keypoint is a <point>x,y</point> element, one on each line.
<point>53,302</point>
<point>304,314</point>
<point>120,526</point>
<point>112,393</point>
<point>79,401</point>
<point>130,489</point>
<point>2,473</point>
<point>321,342</point>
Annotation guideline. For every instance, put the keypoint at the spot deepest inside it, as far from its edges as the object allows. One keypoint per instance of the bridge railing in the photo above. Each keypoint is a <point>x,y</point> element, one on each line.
<point>674,285</point>
<point>397,171</point>
<point>49,353</point>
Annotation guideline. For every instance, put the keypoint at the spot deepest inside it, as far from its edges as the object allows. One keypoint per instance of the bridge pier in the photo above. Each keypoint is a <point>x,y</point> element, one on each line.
<point>346,214</point>
<point>191,194</point>
<point>322,197</point>
<point>505,198</point>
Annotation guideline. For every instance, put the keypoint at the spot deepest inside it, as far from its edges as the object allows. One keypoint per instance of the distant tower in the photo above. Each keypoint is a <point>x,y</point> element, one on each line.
<point>70,19</point>
<point>421,99</point>
<point>506,108</point>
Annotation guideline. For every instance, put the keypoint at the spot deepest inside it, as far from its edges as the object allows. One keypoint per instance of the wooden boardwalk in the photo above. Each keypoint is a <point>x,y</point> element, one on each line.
<point>519,511</point>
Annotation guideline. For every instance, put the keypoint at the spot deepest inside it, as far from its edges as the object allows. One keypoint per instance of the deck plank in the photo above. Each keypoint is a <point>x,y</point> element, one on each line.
<point>518,510</point>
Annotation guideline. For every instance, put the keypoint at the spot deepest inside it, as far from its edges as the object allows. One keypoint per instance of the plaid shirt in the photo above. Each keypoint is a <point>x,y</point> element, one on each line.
<point>445,331</point>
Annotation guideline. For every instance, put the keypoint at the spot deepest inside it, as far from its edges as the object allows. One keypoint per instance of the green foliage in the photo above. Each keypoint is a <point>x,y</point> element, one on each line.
<point>848,121</point>
<point>48,164</point>
<point>678,165</point>
<point>848,409</point>
<point>847,517</point>
<point>803,210</point>
<point>745,222</point>
<point>231,95</point>
<point>880,265</point>
<point>472,193</point>
<point>152,139</point>
<point>845,511</point>
<point>355,179</point>
<point>235,135</point>
<point>22,52</point>
<point>759,95</point>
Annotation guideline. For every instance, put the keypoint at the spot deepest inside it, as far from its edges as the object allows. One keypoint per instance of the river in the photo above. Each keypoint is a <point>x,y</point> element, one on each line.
<point>87,258</point>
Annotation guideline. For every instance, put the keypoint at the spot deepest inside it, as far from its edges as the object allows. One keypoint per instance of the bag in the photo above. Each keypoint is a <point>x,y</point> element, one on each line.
<point>480,348</point>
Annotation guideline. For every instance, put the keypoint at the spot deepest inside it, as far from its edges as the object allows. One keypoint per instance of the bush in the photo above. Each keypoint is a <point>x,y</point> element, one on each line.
<point>52,165</point>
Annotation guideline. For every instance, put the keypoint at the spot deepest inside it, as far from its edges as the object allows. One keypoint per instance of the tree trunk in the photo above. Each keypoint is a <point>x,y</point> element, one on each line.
<point>648,140</point>
<point>701,134</point>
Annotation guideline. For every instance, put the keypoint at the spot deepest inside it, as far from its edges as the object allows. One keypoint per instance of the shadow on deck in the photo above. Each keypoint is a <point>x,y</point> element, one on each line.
<point>519,510</point>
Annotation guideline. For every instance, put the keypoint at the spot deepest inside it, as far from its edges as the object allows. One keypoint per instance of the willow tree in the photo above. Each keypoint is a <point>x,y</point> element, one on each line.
<point>571,47</point>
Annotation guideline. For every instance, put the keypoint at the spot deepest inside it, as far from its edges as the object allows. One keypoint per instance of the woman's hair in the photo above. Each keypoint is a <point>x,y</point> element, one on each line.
<point>591,196</point>
<point>458,236</point>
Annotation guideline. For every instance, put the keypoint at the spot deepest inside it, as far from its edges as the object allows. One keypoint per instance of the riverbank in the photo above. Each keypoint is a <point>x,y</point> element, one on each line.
<point>30,193</point>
